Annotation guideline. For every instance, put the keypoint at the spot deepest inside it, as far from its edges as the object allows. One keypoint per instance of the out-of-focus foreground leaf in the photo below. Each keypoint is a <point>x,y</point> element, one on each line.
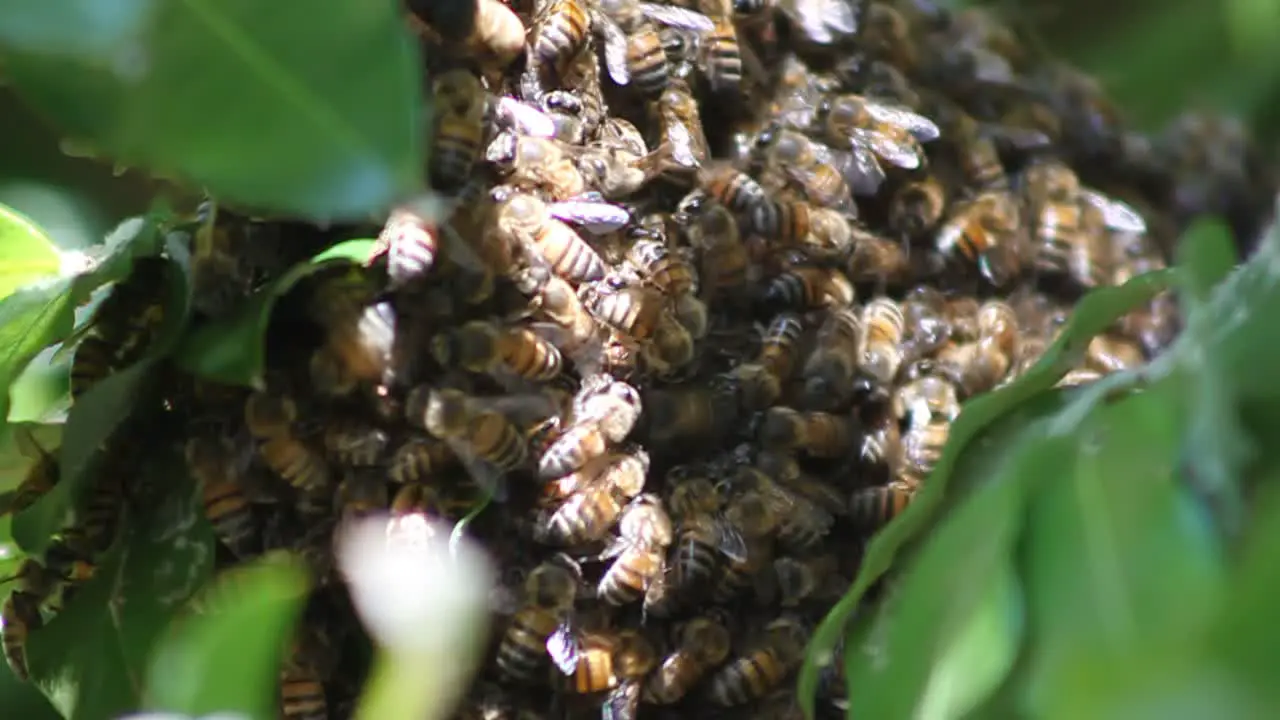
<point>227,658</point>
<point>1093,315</point>
<point>26,253</point>
<point>310,109</point>
<point>91,659</point>
<point>233,350</point>
<point>96,415</point>
<point>22,700</point>
<point>43,313</point>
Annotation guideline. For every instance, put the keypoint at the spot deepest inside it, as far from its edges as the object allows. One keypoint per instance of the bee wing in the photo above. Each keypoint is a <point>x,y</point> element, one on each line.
<point>596,218</point>
<point>563,647</point>
<point>821,21</point>
<point>1016,137</point>
<point>615,548</point>
<point>485,475</point>
<point>524,118</point>
<point>623,703</point>
<point>1118,215</point>
<point>677,17</point>
<point>615,51</point>
<point>861,169</point>
<point>921,127</point>
<point>900,153</point>
<point>523,409</point>
<point>730,542</point>
<point>458,250</point>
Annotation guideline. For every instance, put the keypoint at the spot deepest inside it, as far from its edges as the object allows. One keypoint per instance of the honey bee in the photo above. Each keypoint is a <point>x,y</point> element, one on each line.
<point>880,352</point>
<point>928,405</point>
<point>460,107</point>
<point>917,207</point>
<point>881,447</point>
<point>987,232</point>
<point>482,346</point>
<point>360,333</point>
<point>691,413</point>
<point>1070,219</point>
<point>810,287</point>
<point>549,594</point>
<point>39,479</point>
<point>878,260</point>
<point>526,219</point>
<point>665,269</point>
<point>19,615</point>
<point>672,348</point>
<point>872,508</point>
<point>684,142</point>
<point>412,507</point>
<point>122,326</point>
<point>763,668</point>
<point>736,190</point>
<point>361,494</point>
<point>270,418</point>
<point>801,579</point>
<point>632,309</point>
<point>225,503</point>
<point>486,441</point>
<point>410,241</point>
<point>619,164</point>
<point>725,267</point>
<point>493,32</point>
<point>831,367</point>
<point>555,298</point>
<point>636,56</point>
<point>605,411</point>
<point>887,36</point>
<point>722,56</point>
<point>302,694</point>
<point>537,163</point>
<point>352,442</point>
<point>817,170</point>
<point>1110,353</point>
<point>704,642</point>
<point>795,521</point>
<point>588,514</point>
<point>645,532</point>
<point>753,517</point>
<point>876,131</point>
<point>558,34</point>
<point>980,365</point>
<point>816,433</point>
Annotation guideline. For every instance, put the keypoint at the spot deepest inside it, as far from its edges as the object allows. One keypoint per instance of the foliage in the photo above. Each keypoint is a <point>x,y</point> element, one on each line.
<point>232,351</point>
<point>309,109</point>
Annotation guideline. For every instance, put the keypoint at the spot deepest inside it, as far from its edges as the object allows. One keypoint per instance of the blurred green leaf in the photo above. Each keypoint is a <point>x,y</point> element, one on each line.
<point>1095,312</point>
<point>1117,555</point>
<point>945,587</point>
<point>41,392</point>
<point>97,413</point>
<point>1206,255</point>
<point>228,659</point>
<point>16,455</point>
<point>44,313</point>
<point>232,351</point>
<point>23,700</point>
<point>981,654</point>
<point>26,253</point>
<point>311,109</point>
<point>170,553</point>
<point>76,660</point>
<point>1244,638</point>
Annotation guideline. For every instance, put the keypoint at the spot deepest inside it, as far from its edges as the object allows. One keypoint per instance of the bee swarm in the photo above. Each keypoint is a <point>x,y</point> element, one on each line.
<point>707,286</point>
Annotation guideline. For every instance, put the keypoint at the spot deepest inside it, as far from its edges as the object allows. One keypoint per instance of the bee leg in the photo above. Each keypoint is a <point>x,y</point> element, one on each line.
<point>531,88</point>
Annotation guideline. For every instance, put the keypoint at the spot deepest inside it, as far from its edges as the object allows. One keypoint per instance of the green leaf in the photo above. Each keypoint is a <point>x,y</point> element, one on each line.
<point>170,554</point>
<point>165,554</point>
<point>1206,255</point>
<point>43,313</point>
<point>307,109</point>
<point>944,589</point>
<point>96,415</point>
<point>23,700</point>
<point>1243,637</point>
<point>228,659</point>
<point>42,391</point>
<point>1118,555</point>
<point>76,659</point>
<point>1095,312</point>
<point>981,654</point>
<point>17,455</point>
<point>26,253</point>
<point>232,350</point>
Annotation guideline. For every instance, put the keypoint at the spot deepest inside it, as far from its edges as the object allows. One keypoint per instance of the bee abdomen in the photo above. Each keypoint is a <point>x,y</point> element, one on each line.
<point>303,698</point>
<point>746,678</point>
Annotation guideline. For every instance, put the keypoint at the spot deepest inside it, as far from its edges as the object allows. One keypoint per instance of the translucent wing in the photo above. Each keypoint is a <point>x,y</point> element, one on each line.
<point>615,51</point>
<point>862,170</point>
<point>901,152</point>
<point>596,218</point>
<point>524,118</point>
<point>562,646</point>
<point>1118,215</point>
<point>677,17</point>
<point>731,543</point>
<point>680,145</point>
<point>921,127</point>
<point>822,21</point>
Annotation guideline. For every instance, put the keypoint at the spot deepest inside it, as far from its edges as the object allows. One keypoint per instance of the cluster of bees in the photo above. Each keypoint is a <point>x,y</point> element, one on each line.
<point>709,284</point>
